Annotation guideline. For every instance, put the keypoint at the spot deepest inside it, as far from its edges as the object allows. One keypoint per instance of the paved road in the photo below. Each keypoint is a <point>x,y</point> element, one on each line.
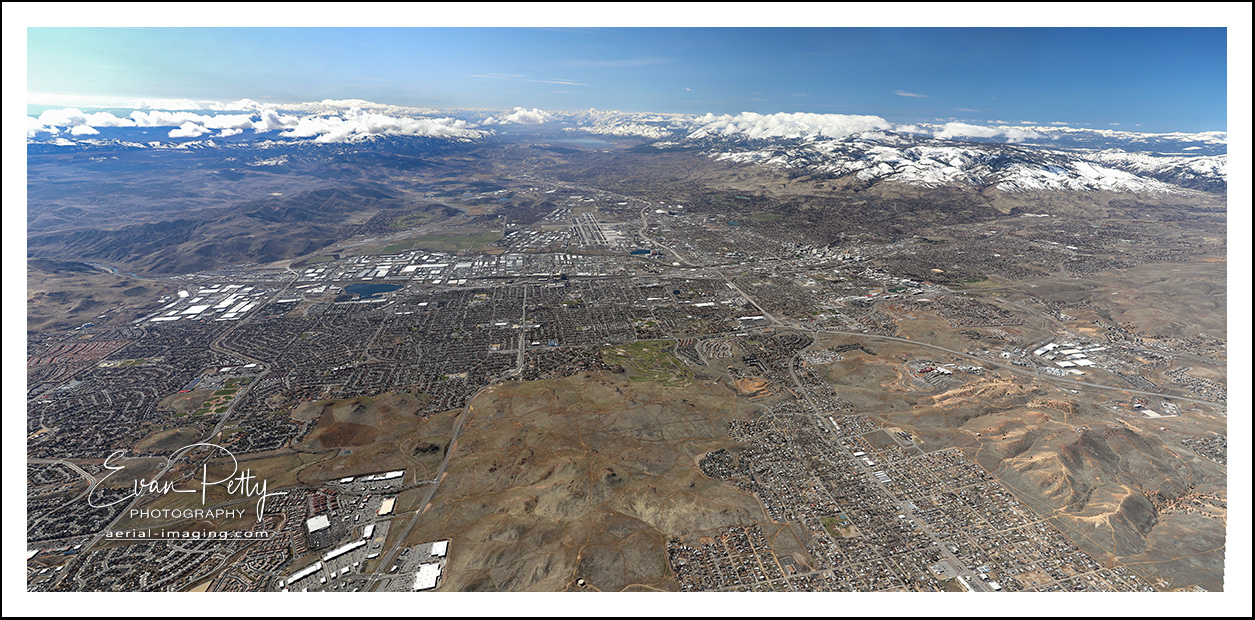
<point>645,226</point>
<point>904,507</point>
<point>215,345</point>
<point>747,297</point>
<point>386,559</point>
<point>82,472</point>
<point>91,480</point>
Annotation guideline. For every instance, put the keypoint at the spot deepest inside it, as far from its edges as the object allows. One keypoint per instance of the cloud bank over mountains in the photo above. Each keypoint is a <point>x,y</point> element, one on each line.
<point>324,121</point>
<point>348,120</point>
<point>1024,157</point>
<point>787,125</point>
<point>521,116</point>
<point>964,130</point>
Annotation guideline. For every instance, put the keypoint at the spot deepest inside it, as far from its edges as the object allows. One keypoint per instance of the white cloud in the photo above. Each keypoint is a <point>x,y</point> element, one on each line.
<point>357,123</point>
<point>239,104</point>
<point>163,118</point>
<point>271,120</point>
<point>229,121</point>
<point>787,125</point>
<point>34,128</point>
<point>70,117</point>
<point>311,126</point>
<point>336,106</point>
<point>523,116</point>
<point>329,127</point>
<point>1058,123</point>
<point>1015,134</point>
<point>964,130</point>
<point>903,93</point>
<point>188,130</point>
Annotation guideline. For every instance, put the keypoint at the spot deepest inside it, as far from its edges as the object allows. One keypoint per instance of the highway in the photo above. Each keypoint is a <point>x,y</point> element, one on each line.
<point>904,507</point>
<point>386,559</point>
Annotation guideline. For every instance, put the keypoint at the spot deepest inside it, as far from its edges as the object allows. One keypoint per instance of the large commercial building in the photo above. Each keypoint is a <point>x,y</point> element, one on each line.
<point>427,577</point>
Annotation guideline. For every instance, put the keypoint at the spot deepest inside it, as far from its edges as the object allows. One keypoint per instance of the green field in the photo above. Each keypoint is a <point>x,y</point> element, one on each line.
<point>412,220</point>
<point>391,248</point>
<point>838,526</point>
<point>454,241</point>
<point>439,242</point>
<point>649,360</point>
<point>220,399</point>
<point>763,217</point>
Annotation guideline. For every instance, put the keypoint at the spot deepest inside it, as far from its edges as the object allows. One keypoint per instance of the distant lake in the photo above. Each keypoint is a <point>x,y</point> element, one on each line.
<point>593,141</point>
<point>368,291</point>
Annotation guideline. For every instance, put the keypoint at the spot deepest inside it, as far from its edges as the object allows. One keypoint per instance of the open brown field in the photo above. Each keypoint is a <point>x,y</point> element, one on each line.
<point>62,295</point>
<point>1119,484</point>
<point>582,477</point>
<point>368,435</point>
<point>171,439</point>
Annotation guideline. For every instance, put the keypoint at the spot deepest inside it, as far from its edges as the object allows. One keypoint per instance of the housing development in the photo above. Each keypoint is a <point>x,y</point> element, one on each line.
<point>762,342</point>
<point>907,412</point>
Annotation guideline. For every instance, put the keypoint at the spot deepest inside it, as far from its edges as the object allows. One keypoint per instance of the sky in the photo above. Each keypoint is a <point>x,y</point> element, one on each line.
<point>1141,79</point>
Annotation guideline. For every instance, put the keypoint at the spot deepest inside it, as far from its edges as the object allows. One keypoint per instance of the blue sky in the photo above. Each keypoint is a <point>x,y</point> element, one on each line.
<point>1145,79</point>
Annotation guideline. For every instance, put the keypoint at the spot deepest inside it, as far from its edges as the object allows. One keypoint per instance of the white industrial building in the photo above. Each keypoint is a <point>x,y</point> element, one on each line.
<point>385,508</point>
<point>337,552</point>
<point>427,577</point>
<point>316,523</point>
<point>305,572</point>
<point>439,548</point>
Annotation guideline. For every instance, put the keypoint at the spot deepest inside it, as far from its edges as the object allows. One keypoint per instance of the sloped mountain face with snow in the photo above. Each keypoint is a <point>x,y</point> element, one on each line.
<point>1203,172</point>
<point>869,149</point>
<point>1004,167</point>
<point>862,149</point>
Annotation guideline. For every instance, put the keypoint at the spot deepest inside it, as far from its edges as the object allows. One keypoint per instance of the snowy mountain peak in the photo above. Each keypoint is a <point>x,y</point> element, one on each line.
<point>1007,168</point>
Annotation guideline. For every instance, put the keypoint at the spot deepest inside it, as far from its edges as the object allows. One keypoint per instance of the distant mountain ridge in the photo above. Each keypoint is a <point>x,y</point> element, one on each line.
<point>260,231</point>
<point>1005,167</point>
<point>1020,158</point>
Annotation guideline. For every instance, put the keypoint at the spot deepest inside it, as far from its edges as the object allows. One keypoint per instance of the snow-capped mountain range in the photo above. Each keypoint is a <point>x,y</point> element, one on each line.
<point>868,149</point>
<point>1005,167</point>
<point>1021,158</point>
